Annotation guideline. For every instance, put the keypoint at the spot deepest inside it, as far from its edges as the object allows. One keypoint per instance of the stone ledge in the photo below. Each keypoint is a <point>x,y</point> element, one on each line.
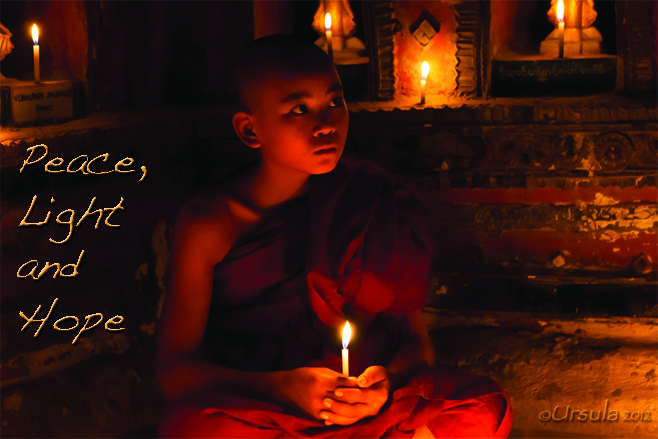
<point>607,108</point>
<point>106,395</point>
<point>565,277</point>
<point>533,187</point>
<point>33,365</point>
<point>543,362</point>
<point>97,130</point>
<point>558,294</point>
<point>635,329</point>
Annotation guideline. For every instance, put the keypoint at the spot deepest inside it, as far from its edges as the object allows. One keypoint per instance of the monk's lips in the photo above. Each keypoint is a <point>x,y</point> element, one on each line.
<point>325,151</point>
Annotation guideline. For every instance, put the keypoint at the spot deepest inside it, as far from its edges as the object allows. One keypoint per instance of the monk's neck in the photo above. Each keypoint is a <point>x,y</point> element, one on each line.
<point>272,186</point>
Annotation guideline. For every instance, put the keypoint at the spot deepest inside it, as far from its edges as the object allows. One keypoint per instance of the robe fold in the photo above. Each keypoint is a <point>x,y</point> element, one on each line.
<point>356,245</point>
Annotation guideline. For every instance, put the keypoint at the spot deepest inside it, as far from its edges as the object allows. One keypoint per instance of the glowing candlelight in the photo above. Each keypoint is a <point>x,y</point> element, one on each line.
<point>560,27</point>
<point>347,334</point>
<point>424,70</point>
<point>35,38</point>
<point>327,26</point>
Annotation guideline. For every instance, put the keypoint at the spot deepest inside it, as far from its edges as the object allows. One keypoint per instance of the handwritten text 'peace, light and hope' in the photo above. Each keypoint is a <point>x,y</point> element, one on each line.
<point>81,164</point>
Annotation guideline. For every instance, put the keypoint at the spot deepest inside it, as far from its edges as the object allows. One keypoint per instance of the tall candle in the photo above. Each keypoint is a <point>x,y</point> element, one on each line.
<point>347,334</point>
<point>35,38</point>
<point>424,70</point>
<point>560,28</point>
<point>327,26</point>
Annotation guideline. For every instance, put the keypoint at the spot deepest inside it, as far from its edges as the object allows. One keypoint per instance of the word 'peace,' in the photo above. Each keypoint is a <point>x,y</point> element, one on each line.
<point>84,167</point>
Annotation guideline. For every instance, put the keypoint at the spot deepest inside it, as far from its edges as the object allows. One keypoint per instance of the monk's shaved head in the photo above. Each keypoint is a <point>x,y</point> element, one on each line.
<point>274,56</point>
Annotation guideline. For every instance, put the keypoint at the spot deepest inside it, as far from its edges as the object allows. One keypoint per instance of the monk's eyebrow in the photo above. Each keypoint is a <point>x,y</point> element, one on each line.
<point>334,88</point>
<point>299,95</point>
<point>294,97</point>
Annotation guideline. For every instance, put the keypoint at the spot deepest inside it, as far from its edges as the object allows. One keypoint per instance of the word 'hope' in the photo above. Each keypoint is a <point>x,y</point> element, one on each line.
<point>116,320</point>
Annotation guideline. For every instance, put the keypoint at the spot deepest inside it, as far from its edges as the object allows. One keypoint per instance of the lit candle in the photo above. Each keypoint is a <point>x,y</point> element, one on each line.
<point>424,70</point>
<point>35,38</point>
<point>560,28</point>
<point>347,333</point>
<point>327,26</point>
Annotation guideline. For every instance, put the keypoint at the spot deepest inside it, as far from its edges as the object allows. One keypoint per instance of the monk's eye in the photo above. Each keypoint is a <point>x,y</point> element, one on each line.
<point>299,109</point>
<point>337,102</point>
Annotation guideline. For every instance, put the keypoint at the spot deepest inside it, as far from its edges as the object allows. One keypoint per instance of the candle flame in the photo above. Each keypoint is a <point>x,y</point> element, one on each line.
<point>35,34</point>
<point>425,69</point>
<point>327,21</point>
<point>347,334</point>
<point>560,11</point>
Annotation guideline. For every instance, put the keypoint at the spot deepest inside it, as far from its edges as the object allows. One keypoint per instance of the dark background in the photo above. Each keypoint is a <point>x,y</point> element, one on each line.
<point>504,180</point>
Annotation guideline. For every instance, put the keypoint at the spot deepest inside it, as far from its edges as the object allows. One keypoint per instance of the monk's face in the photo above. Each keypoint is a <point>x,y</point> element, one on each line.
<point>300,120</point>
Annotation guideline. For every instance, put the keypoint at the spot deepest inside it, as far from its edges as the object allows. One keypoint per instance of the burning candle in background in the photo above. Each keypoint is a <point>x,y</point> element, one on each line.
<point>35,38</point>
<point>347,334</point>
<point>560,28</point>
<point>327,26</point>
<point>424,70</point>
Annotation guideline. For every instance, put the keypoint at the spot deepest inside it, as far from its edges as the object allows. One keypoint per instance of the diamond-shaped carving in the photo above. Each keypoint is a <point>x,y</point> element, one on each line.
<point>424,28</point>
<point>424,33</point>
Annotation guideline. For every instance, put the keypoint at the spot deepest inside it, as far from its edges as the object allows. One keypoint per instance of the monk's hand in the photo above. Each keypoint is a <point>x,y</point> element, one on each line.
<point>309,387</point>
<point>348,405</point>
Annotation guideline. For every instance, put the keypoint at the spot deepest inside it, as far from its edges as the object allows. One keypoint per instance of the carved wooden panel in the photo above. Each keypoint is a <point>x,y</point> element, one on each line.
<point>380,26</point>
<point>472,40</point>
<point>636,42</point>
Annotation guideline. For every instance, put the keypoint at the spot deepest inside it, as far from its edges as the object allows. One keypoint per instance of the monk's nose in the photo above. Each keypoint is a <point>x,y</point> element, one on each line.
<point>324,125</point>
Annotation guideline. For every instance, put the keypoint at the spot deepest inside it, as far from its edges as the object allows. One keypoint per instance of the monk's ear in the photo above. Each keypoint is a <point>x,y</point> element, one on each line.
<point>244,127</point>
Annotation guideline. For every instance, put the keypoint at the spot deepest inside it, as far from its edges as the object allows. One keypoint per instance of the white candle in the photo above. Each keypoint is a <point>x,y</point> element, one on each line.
<point>560,28</point>
<point>327,26</point>
<point>424,70</point>
<point>347,334</point>
<point>35,38</point>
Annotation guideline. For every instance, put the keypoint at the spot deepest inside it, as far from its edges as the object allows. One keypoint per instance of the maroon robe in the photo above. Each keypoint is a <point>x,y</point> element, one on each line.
<point>355,246</point>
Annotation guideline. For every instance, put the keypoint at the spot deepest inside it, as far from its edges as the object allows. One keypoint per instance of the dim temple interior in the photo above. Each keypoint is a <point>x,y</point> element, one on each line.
<point>531,138</point>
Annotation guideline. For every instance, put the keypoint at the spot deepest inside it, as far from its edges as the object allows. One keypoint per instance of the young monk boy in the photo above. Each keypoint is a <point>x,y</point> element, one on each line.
<point>267,268</point>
